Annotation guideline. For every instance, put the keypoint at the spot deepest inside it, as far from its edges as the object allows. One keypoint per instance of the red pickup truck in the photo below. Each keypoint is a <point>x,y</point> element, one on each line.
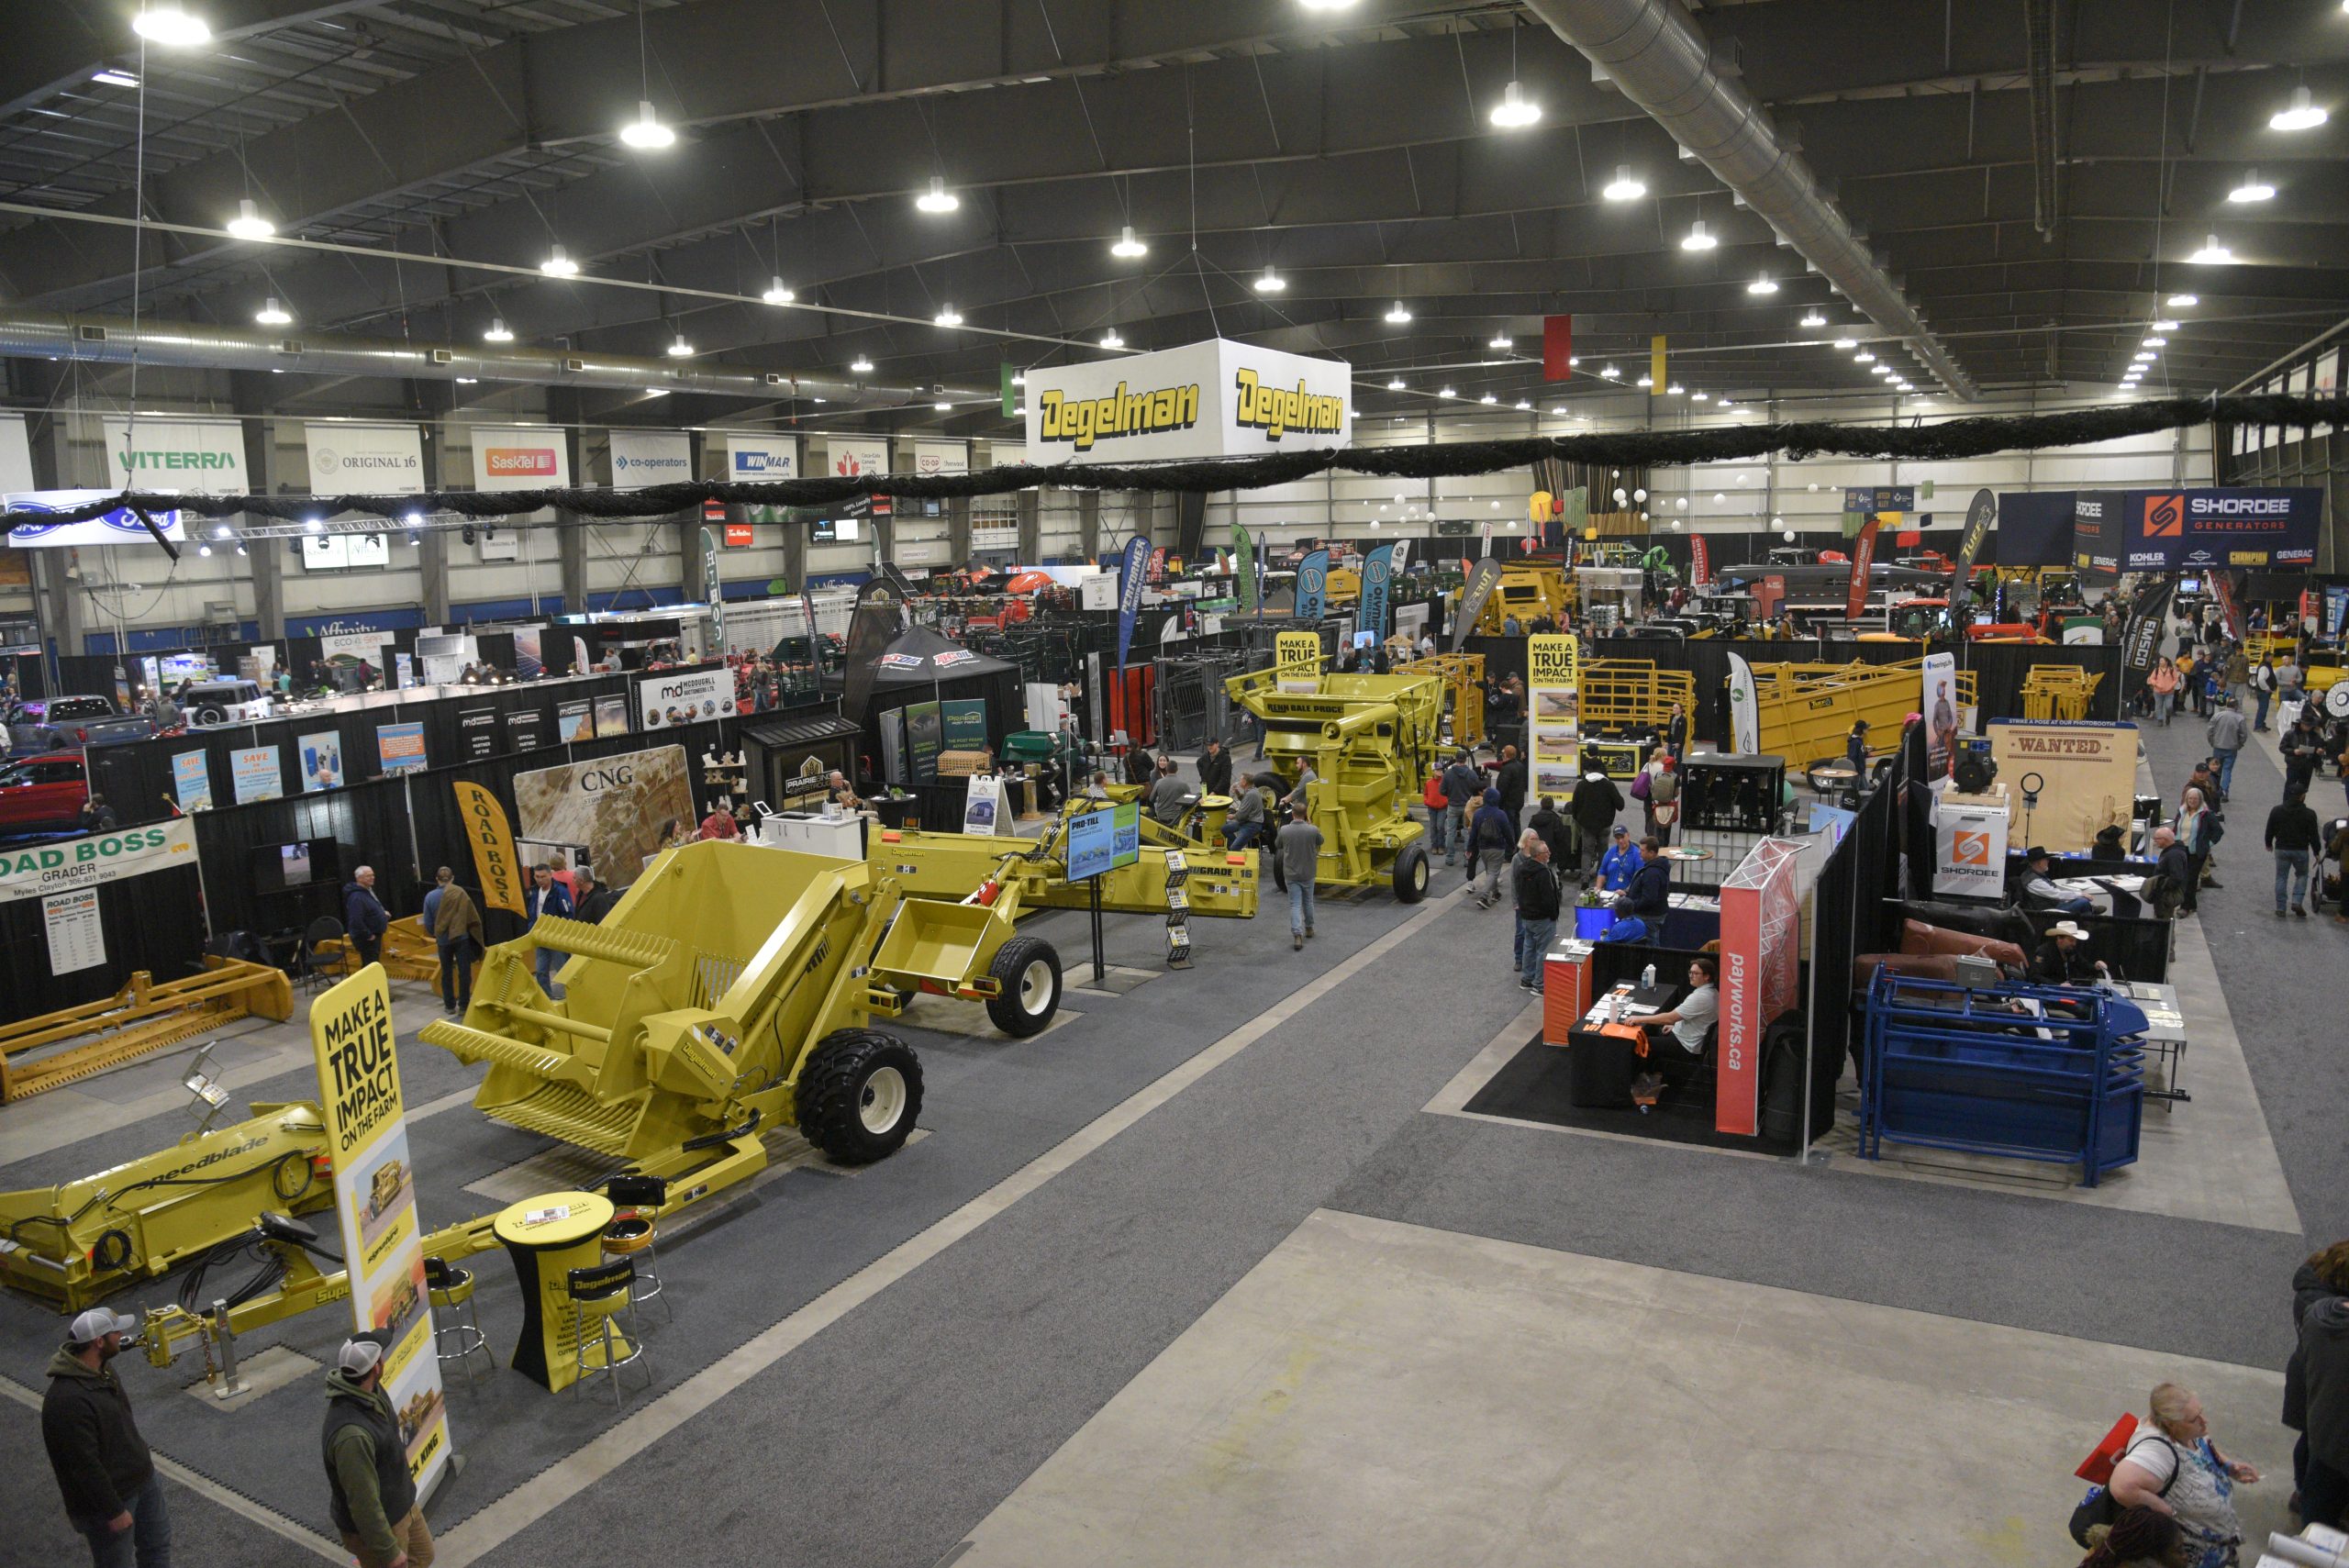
<point>41,794</point>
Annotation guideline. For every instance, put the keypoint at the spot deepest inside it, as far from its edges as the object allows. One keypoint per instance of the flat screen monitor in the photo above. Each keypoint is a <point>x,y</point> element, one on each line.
<point>824,533</point>
<point>2190,585</point>
<point>342,552</point>
<point>307,862</point>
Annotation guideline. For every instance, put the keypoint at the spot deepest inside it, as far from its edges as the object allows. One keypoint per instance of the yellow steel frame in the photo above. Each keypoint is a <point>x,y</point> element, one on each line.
<point>1622,696</point>
<point>2058,691</point>
<point>1526,591</point>
<point>1463,693</point>
<point>141,1018</point>
<point>1806,710</point>
<point>1033,873</point>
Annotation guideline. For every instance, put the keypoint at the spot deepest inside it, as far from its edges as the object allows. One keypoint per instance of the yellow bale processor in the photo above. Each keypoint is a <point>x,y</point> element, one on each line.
<point>1527,589</point>
<point>1371,741</point>
<point>730,988</point>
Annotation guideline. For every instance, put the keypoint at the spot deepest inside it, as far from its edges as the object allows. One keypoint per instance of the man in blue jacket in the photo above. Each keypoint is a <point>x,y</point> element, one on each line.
<point>1620,863</point>
<point>1649,894</point>
<point>364,918</point>
<point>547,896</point>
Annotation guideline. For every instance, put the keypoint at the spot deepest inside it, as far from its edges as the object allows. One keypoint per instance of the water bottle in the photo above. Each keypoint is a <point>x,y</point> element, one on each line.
<point>1647,978</point>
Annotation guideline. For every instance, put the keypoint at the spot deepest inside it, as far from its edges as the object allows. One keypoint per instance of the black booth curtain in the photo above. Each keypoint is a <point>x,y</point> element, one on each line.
<point>150,922</point>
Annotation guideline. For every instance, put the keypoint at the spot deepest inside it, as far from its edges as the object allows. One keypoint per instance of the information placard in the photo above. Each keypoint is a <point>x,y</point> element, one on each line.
<point>77,938</point>
<point>1104,838</point>
<point>1296,658</point>
<point>1553,693</point>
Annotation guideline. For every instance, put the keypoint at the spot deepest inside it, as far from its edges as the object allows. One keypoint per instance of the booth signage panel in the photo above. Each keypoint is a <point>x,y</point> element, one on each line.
<point>35,872</point>
<point>204,457</point>
<point>941,457</point>
<point>118,527</point>
<point>77,937</point>
<point>2195,531</point>
<point>616,805</point>
<point>1970,847</point>
<point>664,700</point>
<point>983,804</point>
<point>520,457</point>
<point>852,457</point>
<point>1552,690</point>
<point>491,838</point>
<point>254,775</point>
<point>364,459</point>
<point>2068,780</point>
<point>1937,701</point>
<point>375,1200</point>
<point>641,458</point>
<point>399,748</point>
<point>1103,840</point>
<point>192,781</point>
<point>1761,930</point>
<point>321,754</point>
<point>1297,659</point>
<point>1211,399</point>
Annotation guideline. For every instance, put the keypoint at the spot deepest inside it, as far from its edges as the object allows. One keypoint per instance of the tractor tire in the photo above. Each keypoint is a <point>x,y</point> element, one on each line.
<point>1412,874</point>
<point>1030,973</point>
<point>860,1091</point>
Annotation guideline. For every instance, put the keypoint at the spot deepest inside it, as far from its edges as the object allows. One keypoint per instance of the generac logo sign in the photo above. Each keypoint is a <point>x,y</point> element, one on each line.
<point>537,461</point>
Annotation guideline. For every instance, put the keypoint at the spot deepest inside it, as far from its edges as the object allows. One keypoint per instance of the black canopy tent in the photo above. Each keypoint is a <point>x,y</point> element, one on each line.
<point>921,666</point>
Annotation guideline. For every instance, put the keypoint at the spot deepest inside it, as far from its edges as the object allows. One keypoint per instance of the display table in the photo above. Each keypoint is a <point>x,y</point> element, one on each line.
<point>2165,1035</point>
<point>1600,1067</point>
<point>841,838</point>
<point>2122,895</point>
<point>548,1236</point>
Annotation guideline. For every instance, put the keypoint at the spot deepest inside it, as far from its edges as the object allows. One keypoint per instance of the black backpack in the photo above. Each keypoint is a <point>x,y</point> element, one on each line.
<point>2099,1508</point>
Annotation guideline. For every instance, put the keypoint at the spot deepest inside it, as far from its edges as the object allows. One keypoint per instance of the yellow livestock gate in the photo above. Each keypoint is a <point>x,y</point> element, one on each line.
<point>1620,696</point>
<point>1806,710</point>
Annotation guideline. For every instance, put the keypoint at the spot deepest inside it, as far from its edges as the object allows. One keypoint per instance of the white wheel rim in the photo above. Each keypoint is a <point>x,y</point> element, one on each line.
<point>883,1100</point>
<point>1036,987</point>
<point>1419,875</point>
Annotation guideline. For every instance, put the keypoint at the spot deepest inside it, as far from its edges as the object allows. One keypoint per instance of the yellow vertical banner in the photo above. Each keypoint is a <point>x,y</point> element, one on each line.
<point>1657,378</point>
<point>1297,660</point>
<point>1554,717</point>
<point>374,1197</point>
<point>493,840</point>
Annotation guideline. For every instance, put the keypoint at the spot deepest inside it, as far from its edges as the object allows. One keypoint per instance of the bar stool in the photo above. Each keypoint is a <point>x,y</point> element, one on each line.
<point>598,1295</point>
<point>456,1326</point>
<point>632,1234</point>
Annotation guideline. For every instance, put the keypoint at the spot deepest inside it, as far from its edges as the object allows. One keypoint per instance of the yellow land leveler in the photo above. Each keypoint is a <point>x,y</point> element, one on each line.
<point>1371,740</point>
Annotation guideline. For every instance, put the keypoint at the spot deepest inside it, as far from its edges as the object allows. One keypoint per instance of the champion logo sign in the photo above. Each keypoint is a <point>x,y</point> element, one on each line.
<point>518,460</point>
<point>2164,517</point>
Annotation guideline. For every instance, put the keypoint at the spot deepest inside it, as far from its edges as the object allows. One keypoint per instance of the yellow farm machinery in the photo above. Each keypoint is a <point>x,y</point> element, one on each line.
<point>58,1048</point>
<point>1370,740</point>
<point>1806,710</point>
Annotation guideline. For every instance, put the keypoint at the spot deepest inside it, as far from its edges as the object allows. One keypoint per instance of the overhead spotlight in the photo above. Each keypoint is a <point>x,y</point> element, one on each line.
<point>316,525</point>
<point>1847,342</point>
<point>559,265</point>
<point>1128,248</point>
<point>2164,326</point>
<point>1395,384</point>
<point>2155,342</point>
<point>248,224</point>
<point>2252,189</point>
<point>1271,282</point>
<point>165,22</point>
<point>413,539</point>
<point>242,550</point>
<point>778,294</point>
<point>938,198</point>
<point>204,550</point>
<point>466,533</point>
<point>2183,301</point>
<point>1673,391</point>
<point>1624,186</point>
<point>1700,397</point>
<point>1699,238</point>
<point>1645,381</point>
<point>680,348</point>
<point>271,314</point>
<point>1501,340</point>
<point>1610,373</point>
<point>2212,254</point>
<point>222,530</point>
<point>1447,392</point>
<point>943,407</point>
<point>111,78</point>
<point>497,332</point>
<point>1488,397</point>
<point>1765,283</point>
<point>947,316</point>
<point>1398,315</point>
<point>645,131</point>
<point>1719,499</point>
<point>1681,504</point>
<point>860,366</point>
<point>1110,340</point>
<point>2302,113</point>
<point>1573,360</point>
<point>2146,357</point>
<point>1812,318</point>
<point>1523,405</point>
<point>1515,111</point>
<point>1863,358</point>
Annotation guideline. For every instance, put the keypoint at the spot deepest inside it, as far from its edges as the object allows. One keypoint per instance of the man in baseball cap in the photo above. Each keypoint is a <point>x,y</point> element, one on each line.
<point>103,1467</point>
<point>373,1495</point>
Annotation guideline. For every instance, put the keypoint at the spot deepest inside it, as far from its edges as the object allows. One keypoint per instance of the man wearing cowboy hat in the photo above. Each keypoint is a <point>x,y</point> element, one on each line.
<point>2038,888</point>
<point>2061,960</point>
<point>373,1496</point>
<point>103,1467</point>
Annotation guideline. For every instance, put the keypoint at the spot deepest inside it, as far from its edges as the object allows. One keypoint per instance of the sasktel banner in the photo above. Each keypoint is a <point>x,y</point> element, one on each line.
<point>520,457</point>
<point>2195,530</point>
<point>1211,399</point>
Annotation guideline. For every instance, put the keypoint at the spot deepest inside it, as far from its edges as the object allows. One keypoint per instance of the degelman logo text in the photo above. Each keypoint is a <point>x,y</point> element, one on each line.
<point>1122,413</point>
<point>1278,410</point>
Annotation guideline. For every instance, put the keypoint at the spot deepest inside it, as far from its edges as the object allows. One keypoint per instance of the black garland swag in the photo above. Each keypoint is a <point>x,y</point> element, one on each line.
<point>1953,438</point>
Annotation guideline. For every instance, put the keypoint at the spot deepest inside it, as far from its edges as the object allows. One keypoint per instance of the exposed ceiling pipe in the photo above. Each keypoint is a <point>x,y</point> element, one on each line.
<point>1654,53</point>
<point>2039,60</point>
<point>112,340</point>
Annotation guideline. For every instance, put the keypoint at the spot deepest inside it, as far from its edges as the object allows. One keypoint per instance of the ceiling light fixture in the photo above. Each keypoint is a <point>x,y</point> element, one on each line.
<point>1560,410</point>
<point>680,348</point>
<point>1699,397</point>
<point>497,332</point>
<point>2252,189</point>
<point>778,292</point>
<point>1610,373</point>
<point>1488,397</point>
<point>1398,315</point>
<point>943,407</point>
<point>248,224</point>
<point>1522,405</point>
<point>1447,392</point>
<point>1515,111</point>
<point>1863,358</point>
<point>1765,283</point>
<point>2156,341</point>
<point>1395,384</point>
<point>646,131</point>
<point>111,78</point>
<point>1128,248</point>
<point>1271,282</point>
<point>656,392</point>
<point>947,316</point>
<point>2146,358</point>
<point>2183,301</point>
<point>1812,318</point>
<point>1645,381</point>
<point>559,265</point>
<point>860,366</point>
<point>1624,186</point>
<point>2164,326</point>
<point>271,314</point>
<point>2212,254</point>
<point>166,24</point>
<point>938,198</point>
<point>1501,340</point>
<point>1673,391</point>
<point>1110,340</point>
<point>2302,114</point>
<point>1699,238</point>
<point>1327,5</point>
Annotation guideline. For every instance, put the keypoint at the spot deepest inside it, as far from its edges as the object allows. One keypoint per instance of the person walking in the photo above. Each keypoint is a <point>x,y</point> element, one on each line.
<point>2293,835</point>
<point>2322,1276</point>
<point>1538,904</point>
<point>1461,788</point>
<point>103,1471</point>
<point>1663,799</point>
<point>589,902</point>
<point>2193,827</point>
<point>1490,837</point>
<point>1595,801</point>
<point>1431,796</point>
<point>1512,782</point>
<point>369,1494</point>
<point>1554,830</point>
<point>2263,689</point>
<point>454,921</point>
<point>2237,676</point>
<point>547,897</point>
<point>2162,684</point>
<point>1298,846</point>
<point>364,918</point>
<point>2228,733</point>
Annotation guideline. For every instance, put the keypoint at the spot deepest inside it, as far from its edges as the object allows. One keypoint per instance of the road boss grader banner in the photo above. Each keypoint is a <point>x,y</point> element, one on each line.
<point>1211,399</point>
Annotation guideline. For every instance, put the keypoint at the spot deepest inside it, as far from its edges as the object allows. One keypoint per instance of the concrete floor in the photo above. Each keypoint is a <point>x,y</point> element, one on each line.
<point>1380,1393</point>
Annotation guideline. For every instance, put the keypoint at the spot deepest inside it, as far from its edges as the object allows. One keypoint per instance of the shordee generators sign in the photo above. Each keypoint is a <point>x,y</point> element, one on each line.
<point>2195,530</point>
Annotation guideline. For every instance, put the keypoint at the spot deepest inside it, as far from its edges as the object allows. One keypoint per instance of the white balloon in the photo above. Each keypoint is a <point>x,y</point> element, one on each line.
<point>1790,536</point>
<point>1719,498</point>
<point>1639,495</point>
<point>1619,497</point>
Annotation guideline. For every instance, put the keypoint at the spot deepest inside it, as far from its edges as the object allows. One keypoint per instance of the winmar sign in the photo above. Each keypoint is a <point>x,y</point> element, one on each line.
<point>1083,421</point>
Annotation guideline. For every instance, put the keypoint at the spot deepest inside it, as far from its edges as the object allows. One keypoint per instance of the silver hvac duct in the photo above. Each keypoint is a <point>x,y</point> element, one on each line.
<point>114,340</point>
<point>1653,50</point>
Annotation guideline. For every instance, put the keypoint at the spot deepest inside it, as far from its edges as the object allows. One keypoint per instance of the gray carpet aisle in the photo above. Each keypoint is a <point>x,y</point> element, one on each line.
<point>886,1436</point>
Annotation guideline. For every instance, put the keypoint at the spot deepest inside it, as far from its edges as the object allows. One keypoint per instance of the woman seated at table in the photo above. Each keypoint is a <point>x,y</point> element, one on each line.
<point>1676,1037</point>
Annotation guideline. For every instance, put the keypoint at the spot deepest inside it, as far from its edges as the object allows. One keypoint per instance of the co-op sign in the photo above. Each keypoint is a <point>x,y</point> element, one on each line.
<point>1211,399</point>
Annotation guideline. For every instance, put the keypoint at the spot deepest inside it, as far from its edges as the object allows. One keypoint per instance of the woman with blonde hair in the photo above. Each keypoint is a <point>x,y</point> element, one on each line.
<point>2172,1467</point>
